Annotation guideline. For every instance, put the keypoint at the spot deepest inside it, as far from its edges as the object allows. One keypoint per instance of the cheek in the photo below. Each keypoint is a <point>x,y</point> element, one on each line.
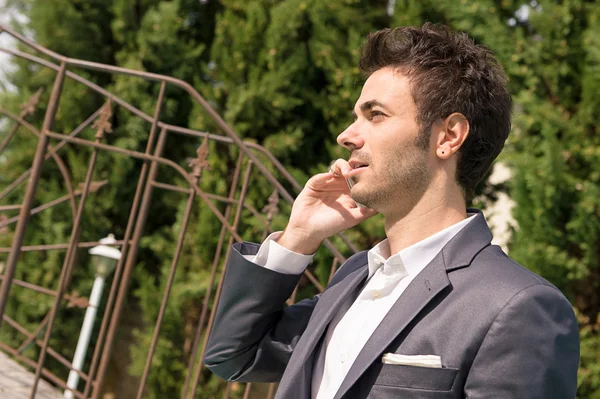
<point>389,150</point>
<point>395,156</point>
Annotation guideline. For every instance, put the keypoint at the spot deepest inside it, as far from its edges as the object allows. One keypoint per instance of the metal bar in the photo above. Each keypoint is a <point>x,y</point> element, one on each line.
<point>163,305</point>
<point>205,302</point>
<point>66,269</point>
<point>13,256</point>
<point>292,299</point>
<point>35,334</point>
<point>137,235</point>
<point>171,187</point>
<point>39,289</point>
<point>27,108</point>
<point>35,210</point>
<point>236,220</point>
<point>51,351</point>
<point>238,210</point>
<point>4,208</point>
<point>247,391</point>
<point>224,139</point>
<point>314,280</point>
<point>227,391</point>
<point>86,83</point>
<point>216,197</point>
<point>227,200</point>
<point>51,377</point>
<point>333,269</point>
<point>50,247</point>
<point>8,137</point>
<point>50,204</point>
<point>136,154</point>
<point>271,392</point>
<point>220,198</point>
<point>64,171</point>
<point>31,43</point>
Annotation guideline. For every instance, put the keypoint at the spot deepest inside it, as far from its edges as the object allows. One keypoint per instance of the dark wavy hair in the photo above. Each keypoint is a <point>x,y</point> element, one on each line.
<point>449,73</point>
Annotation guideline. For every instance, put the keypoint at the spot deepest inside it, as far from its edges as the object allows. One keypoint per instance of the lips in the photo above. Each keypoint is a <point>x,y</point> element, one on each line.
<point>357,167</point>
<point>355,164</point>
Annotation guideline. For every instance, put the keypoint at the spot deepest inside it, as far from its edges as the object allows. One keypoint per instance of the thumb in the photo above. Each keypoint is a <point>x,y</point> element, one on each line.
<point>362,213</point>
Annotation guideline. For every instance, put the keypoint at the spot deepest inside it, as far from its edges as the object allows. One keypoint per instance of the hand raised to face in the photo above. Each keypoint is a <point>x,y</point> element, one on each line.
<point>323,209</point>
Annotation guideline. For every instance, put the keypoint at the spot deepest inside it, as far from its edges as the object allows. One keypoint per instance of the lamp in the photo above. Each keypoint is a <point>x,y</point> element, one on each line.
<point>104,260</point>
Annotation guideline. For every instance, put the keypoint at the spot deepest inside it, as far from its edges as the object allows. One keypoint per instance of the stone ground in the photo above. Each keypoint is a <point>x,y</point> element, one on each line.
<point>16,381</point>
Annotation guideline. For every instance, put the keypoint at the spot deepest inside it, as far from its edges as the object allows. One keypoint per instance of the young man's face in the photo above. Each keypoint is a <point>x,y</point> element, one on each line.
<point>390,168</point>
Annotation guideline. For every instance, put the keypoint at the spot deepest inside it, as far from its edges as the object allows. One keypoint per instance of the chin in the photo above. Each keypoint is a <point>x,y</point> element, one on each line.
<point>367,198</point>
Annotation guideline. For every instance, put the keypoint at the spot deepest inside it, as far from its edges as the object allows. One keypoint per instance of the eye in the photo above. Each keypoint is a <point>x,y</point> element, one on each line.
<point>376,116</point>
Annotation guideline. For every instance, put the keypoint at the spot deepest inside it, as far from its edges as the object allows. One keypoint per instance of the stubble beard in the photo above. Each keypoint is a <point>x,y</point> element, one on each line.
<point>399,183</point>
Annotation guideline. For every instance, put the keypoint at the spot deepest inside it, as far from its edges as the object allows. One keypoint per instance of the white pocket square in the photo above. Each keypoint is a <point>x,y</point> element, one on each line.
<point>432,361</point>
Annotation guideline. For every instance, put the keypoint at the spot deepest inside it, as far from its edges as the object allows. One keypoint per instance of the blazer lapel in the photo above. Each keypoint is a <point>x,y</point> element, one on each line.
<point>328,305</point>
<point>430,282</point>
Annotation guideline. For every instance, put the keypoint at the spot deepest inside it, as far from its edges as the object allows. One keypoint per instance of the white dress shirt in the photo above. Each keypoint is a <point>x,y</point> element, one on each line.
<point>360,315</point>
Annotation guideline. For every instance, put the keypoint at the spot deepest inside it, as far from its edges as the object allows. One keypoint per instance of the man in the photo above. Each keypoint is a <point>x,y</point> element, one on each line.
<point>434,311</point>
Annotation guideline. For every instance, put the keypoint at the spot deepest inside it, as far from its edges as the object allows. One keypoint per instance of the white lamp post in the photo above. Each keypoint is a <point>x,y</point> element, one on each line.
<point>104,259</point>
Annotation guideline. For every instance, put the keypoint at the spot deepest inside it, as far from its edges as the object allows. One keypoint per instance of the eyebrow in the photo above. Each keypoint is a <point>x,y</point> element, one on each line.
<point>368,105</point>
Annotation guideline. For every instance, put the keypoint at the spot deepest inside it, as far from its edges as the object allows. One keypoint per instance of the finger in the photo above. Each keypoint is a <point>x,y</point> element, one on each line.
<point>362,213</point>
<point>339,167</point>
<point>321,179</point>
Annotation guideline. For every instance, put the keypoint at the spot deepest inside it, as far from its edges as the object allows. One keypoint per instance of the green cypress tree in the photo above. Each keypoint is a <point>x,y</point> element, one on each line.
<point>556,154</point>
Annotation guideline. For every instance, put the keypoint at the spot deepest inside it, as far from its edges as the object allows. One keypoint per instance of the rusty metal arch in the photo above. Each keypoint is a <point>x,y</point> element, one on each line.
<point>52,152</point>
<point>129,243</point>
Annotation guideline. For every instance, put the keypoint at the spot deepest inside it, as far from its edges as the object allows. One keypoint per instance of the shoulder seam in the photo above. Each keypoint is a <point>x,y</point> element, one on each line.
<point>507,303</point>
<point>510,260</point>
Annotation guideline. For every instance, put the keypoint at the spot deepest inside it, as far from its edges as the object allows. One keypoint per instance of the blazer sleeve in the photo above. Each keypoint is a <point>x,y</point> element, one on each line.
<point>254,334</point>
<point>530,351</point>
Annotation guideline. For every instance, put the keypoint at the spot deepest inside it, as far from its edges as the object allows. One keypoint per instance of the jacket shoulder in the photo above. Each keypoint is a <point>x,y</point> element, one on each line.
<point>499,277</point>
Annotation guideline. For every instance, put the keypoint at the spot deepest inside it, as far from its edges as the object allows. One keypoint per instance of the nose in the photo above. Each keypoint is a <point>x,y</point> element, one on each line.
<point>351,138</point>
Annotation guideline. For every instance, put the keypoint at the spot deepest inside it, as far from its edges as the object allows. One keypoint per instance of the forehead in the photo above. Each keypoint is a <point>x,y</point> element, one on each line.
<point>388,86</point>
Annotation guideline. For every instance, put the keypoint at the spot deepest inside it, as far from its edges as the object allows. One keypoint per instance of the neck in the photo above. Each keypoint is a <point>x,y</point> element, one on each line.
<point>436,210</point>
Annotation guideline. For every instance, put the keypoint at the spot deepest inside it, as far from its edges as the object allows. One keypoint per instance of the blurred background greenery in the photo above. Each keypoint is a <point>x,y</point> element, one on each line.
<point>284,74</point>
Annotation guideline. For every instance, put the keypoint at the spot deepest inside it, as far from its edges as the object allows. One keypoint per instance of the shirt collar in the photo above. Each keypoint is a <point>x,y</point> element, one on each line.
<point>413,259</point>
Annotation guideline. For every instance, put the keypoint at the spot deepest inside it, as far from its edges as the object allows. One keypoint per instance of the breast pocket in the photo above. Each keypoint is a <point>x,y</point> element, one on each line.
<point>414,377</point>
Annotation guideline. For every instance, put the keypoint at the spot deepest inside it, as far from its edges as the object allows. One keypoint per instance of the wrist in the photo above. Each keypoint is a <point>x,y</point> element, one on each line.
<point>299,243</point>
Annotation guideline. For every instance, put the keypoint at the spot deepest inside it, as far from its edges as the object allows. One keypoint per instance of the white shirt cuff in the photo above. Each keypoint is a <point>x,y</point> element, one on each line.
<point>275,257</point>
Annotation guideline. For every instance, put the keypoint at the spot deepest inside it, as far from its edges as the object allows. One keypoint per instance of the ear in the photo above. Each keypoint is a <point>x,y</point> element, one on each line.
<point>452,133</point>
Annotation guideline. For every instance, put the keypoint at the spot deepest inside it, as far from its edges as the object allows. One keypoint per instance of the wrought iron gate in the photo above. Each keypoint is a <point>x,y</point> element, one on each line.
<point>253,162</point>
